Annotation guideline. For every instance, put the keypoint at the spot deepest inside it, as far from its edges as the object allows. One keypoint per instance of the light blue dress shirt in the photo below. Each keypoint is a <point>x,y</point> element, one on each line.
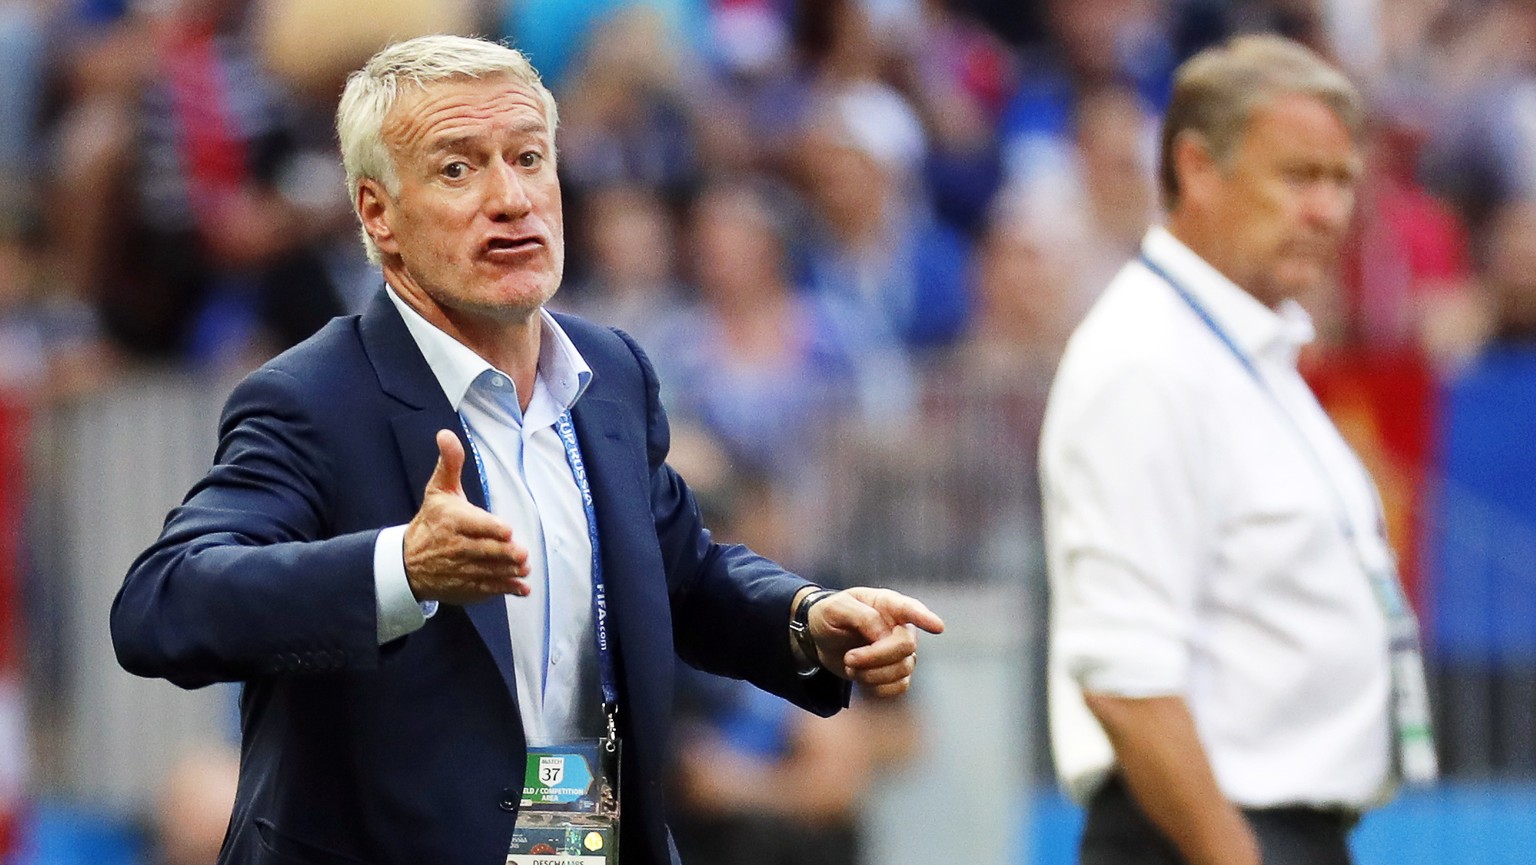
<point>529,485</point>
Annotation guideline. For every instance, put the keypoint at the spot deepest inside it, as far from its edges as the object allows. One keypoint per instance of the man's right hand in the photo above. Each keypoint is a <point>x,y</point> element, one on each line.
<point>455,552</point>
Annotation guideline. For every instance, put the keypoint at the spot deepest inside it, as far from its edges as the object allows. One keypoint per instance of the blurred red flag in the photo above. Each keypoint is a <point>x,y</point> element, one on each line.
<point>1383,402</point>
<point>13,438</point>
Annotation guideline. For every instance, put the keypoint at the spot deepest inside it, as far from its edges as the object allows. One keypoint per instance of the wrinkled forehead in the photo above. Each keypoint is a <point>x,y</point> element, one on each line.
<point>460,106</point>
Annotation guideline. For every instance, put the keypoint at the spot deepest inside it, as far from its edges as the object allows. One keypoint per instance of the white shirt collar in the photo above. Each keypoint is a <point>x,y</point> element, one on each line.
<point>1257,329</point>
<point>562,369</point>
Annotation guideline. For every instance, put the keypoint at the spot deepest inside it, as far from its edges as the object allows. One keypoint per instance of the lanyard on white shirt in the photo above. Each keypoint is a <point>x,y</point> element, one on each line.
<point>606,676</point>
<point>1414,752</point>
<point>1392,601</point>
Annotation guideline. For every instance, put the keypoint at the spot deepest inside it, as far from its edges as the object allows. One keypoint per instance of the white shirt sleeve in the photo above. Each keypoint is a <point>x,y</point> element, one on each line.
<point>1129,534</point>
<point>399,613</point>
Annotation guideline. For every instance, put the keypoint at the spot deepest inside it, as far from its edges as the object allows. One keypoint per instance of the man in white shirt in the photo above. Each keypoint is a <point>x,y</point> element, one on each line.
<point>1224,606</point>
<point>442,535</point>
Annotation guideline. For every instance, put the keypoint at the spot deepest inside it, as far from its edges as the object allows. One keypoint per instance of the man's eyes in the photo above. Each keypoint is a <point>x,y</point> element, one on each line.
<point>458,169</point>
<point>1303,175</point>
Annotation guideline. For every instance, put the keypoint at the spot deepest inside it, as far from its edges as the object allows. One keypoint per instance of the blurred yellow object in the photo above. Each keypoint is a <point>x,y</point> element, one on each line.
<point>313,44</point>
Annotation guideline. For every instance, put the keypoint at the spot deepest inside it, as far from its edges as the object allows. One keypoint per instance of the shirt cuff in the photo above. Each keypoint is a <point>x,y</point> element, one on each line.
<point>1125,662</point>
<point>399,613</point>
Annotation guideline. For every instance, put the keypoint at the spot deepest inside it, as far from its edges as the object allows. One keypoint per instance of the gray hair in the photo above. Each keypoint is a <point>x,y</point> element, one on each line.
<point>1216,92</point>
<point>372,92</point>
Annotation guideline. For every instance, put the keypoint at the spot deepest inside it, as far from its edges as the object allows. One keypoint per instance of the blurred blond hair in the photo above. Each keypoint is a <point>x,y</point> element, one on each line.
<point>1216,92</point>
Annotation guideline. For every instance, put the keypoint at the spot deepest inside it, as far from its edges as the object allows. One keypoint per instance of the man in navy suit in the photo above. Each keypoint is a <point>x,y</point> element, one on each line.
<point>443,532</point>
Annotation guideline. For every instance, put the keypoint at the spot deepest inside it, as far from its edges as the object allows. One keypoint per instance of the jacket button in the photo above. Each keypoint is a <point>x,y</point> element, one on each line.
<point>510,797</point>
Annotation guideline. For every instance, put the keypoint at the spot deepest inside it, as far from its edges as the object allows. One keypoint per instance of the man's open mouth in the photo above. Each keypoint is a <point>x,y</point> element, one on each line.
<point>513,244</point>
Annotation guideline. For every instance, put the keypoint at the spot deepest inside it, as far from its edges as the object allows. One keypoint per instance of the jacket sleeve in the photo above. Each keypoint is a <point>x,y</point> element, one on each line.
<point>730,606</point>
<point>246,578</point>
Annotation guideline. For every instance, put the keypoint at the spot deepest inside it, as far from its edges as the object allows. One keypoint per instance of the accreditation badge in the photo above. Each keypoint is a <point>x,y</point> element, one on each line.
<point>569,813</point>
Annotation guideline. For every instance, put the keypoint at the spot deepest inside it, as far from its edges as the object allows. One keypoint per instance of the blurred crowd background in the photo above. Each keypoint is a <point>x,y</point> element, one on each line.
<point>853,235</point>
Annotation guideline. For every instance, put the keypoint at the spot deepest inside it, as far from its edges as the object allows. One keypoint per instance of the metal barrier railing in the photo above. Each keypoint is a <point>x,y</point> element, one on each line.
<point>106,469</point>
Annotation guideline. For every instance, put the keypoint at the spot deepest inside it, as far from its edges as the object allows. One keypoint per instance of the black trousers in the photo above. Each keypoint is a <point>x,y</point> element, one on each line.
<point>1117,832</point>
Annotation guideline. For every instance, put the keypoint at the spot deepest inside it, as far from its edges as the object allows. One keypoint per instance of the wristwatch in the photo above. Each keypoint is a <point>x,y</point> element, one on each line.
<point>800,631</point>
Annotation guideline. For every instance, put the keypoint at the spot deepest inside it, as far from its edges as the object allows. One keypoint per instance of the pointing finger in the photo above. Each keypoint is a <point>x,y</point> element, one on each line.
<point>907,610</point>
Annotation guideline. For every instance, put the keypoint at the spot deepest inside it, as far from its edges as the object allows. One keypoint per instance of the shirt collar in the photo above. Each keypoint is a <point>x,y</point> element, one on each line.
<point>1254,327</point>
<point>562,369</point>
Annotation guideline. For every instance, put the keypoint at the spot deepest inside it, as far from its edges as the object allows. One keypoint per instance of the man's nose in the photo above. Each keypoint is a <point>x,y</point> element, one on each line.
<point>1330,204</point>
<point>507,194</point>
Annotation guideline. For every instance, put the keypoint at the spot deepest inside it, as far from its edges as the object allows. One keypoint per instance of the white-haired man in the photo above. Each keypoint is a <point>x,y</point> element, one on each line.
<point>1232,660</point>
<point>414,627</point>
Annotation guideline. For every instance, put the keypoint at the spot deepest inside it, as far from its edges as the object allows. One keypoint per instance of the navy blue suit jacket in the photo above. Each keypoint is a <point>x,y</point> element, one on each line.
<point>412,752</point>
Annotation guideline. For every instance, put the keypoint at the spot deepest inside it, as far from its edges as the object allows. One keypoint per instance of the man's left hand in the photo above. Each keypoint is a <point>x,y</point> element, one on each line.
<point>869,636</point>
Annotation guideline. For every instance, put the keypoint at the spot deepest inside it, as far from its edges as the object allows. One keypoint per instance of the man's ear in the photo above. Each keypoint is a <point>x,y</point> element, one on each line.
<point>377,211</point>
<point>1195,166</point>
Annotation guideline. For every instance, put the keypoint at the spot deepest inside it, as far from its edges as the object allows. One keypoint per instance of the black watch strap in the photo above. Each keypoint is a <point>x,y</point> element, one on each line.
<point>800,630</point>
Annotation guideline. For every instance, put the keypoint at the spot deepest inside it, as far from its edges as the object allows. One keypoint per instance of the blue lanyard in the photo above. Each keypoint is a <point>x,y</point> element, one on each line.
<point>567,431</point>
<point>606,675</point>
<point>1388,592</point>
<point>1221,333</point>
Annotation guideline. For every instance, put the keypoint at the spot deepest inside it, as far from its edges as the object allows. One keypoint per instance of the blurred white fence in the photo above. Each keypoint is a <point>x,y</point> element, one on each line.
<point>105,472</point>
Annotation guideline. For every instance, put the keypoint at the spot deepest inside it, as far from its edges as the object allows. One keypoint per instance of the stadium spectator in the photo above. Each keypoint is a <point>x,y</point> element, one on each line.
<point>179,224</point>
<point>1115,140</point>
<point>770,371</point>
<point>50,348</point>
<point>1096,44</point>
<point>1481,148</point>
<point>22,63</point>
<point>1408,261</point>
<point>878,246</point>
<point>628,114</point>
<point>630,281</point>
<point>560,33</point>
<point>958,76</point>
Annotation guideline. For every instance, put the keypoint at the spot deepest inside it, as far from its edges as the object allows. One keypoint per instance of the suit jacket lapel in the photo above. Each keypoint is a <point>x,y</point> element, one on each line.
<point>404,374</point>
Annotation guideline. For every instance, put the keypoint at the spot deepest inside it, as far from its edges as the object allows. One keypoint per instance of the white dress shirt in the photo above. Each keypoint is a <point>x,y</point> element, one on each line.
<point>530,486</point>
<point>1205,539</point>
